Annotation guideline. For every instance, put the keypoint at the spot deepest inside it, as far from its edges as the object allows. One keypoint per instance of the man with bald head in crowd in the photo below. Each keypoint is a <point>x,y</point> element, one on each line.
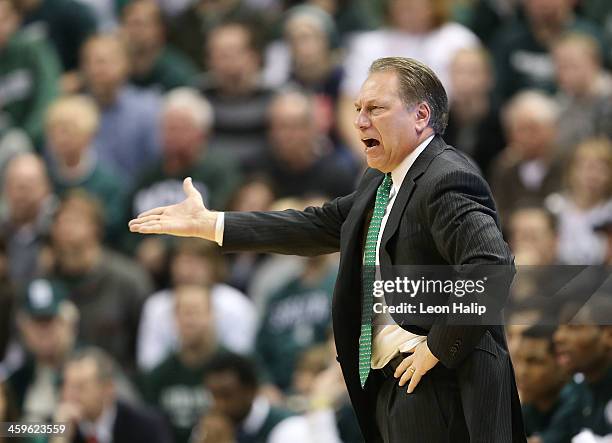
<point>29,207</point>
<point>529,168</point>
<point>301,159</point>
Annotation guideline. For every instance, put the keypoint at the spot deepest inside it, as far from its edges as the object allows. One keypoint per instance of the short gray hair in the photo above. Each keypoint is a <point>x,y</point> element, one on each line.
<point>191,100</point>
<point>417,84</point>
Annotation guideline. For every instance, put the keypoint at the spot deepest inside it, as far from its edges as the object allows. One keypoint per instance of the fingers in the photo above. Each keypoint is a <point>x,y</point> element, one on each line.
<point>405,364</point>
<point>414,381</point>
<point>189,189</point>
<point>150,227</point>
<point>154,211</point>
<point>408,374</point>
<point>144,219</point>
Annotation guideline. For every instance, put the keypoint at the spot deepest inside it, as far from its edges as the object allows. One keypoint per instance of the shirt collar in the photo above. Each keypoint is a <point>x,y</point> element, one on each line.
<point>103,427</point>
<point>257,415</point>
<point>399,173</point>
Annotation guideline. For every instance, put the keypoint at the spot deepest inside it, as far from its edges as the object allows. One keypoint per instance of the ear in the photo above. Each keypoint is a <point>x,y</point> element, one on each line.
<point>423,114</point>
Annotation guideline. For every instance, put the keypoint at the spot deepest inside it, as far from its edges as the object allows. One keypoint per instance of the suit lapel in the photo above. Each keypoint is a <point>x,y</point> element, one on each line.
<point>417,169</point>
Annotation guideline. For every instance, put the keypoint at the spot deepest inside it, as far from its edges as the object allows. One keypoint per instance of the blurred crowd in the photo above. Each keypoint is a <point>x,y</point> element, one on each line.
<point>107,105</point>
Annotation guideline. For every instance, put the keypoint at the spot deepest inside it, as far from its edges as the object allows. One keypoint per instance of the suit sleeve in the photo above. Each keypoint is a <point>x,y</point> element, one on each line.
<point>463,220</point>
<point>313,231</point>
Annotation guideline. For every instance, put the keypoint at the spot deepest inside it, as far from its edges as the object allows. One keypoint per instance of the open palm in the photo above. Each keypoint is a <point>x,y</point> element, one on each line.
<point>189,218</point>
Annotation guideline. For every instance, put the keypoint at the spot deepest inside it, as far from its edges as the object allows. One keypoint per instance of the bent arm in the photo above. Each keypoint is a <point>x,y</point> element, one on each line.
<point>313,231</point>
<point>464,226</point>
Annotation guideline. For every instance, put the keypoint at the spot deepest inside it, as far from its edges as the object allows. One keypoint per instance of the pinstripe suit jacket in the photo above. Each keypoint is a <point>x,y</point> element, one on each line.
<point>444,214</point>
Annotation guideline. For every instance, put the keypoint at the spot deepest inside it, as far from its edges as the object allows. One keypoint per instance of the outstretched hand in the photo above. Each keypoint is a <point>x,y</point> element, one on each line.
<point>189,218</point>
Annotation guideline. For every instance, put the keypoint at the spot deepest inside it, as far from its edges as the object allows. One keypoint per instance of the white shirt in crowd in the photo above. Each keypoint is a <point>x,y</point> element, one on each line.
<point>235,324</point>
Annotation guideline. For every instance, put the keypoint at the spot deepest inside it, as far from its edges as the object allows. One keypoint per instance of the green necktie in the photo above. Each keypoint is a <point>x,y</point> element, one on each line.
<point>368,276</point>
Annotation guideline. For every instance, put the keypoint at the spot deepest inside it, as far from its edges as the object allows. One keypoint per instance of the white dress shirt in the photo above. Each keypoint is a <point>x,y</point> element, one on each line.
<point>388,339</point>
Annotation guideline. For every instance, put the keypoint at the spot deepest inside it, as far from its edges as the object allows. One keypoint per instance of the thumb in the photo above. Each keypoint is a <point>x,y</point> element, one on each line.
<point>189,189</point>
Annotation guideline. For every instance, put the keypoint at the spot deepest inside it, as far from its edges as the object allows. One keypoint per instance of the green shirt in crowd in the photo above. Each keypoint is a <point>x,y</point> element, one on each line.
<point>297,317</point>
<point>29,73</point>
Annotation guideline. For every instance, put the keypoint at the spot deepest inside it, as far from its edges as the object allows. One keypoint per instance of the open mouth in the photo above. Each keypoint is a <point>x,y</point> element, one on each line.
<point>370,142</point>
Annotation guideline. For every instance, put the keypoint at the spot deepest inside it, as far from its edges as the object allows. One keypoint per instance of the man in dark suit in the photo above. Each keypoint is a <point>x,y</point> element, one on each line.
<point>420,202</point>
<point>92,411</point>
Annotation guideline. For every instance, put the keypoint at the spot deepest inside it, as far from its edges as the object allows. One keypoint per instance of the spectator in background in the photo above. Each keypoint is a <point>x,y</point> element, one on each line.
<point>585,89</point>
<point>107,288</point>
<point>533,236</point>
<point>186,121</point>
<point>255,194</point>
<point>528,169</point>
<point>420,29</point>
<point>196,263</point>
<point>585,203</point>
<point>25,224</point>
<point>64,23</point>
<point>154,64</point>
<point>48,326</point>
<point>547,406</point>
<point>308,57</point>
<point>175,385</point>
<point>127,137</point>
<point>300,160</point>
<point>190,30</point>
<point>295,317</point>
<point>474,123</point>
<point>72,122</point>
<point>8,299</point>
<point>13,141</point>
<point>92,409</point>
<point>233,87</point>
<point>8,411</point>
<point>583,347</point>
<point>522,47</point>
<point>29,74</point>
<point>232,382</point>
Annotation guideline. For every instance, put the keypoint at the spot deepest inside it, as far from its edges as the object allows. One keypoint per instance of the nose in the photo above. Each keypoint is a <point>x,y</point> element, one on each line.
<point>559,335</point>
<point>361,121</point>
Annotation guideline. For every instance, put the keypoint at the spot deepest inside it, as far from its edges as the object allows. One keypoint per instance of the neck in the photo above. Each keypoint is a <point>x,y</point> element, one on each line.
<point>598,370</point>
<point>144,59</point>
<point>106,97</point>
<point>196,353</point>
<point>585,200</point>
<point>545,403</point>
<point>73,168</point>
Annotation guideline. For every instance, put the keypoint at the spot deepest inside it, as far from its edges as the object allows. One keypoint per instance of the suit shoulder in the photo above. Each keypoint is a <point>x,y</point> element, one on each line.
<point>452,164</point>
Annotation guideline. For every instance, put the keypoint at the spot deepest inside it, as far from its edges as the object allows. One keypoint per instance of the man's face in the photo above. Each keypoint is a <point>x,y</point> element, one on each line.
<point>67,137</point>
<point>193,316</point>
<point>532,237</point>
<point>575,68</point>
<point>8,22</point>
<point>230,397</point>
<point>25,188</point>
<point>292,130</point>
<point>232,61</point>
<point>83,388</point>
<point>182,137</point>
<point>470,74</point>
<point>104,65</point>
<point>386,125</point>
<point>43,337</point>
<point>73,236</point>
<point>547,11</point>
<point>142,26</point>
<point>537,373</point>
<point>531,136</point>
<point>191,269</point>
<point>579,348</point>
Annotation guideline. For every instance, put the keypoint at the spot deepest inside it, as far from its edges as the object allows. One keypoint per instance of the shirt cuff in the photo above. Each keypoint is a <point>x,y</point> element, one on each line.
<point>219,228</point>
